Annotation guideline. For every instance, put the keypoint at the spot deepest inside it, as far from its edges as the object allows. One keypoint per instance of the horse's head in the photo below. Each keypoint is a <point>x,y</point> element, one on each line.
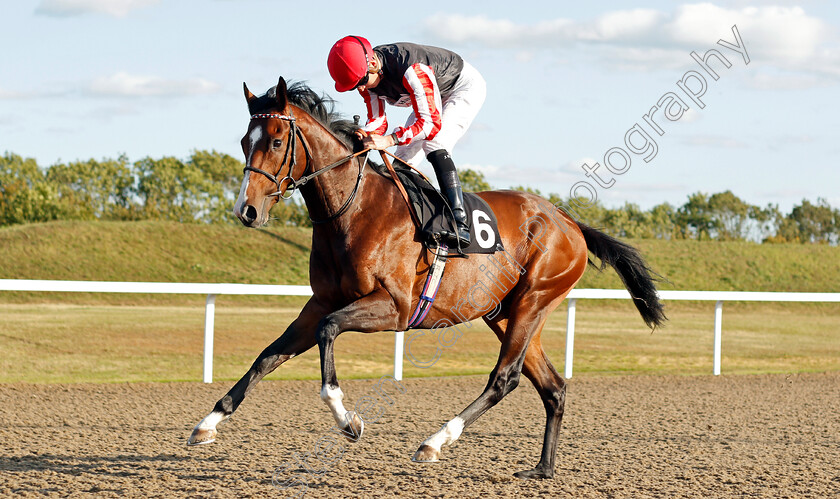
<point>270,155</point>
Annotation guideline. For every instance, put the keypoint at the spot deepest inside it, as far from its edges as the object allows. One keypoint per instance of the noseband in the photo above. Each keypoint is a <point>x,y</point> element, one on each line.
<point>291,143</point>
<point>294,133</point>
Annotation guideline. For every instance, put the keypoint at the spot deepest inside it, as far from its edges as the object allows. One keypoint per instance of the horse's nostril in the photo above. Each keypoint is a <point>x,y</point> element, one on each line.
<point>249,215</point>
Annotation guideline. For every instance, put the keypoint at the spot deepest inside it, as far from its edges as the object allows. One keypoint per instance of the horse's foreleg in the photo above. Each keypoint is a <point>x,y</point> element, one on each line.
<point>374,312</point>
<point>298,338</point>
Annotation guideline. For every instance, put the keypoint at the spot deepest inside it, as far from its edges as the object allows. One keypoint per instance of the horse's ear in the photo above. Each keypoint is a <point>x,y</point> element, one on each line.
<point>251,98</point>
<point>280,93</point>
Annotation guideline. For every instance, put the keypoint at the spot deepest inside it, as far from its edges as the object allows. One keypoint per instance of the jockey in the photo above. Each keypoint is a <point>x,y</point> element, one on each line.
<point>444,91</point>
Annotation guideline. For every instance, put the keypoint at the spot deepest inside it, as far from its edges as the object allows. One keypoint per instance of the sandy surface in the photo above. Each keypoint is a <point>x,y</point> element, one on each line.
<point>756,436</point>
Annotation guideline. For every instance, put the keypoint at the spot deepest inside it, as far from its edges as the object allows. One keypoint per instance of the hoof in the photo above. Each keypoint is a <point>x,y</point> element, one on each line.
<point>536,473</point>
<point>201,436</point>
<point>354,429</point>
<point>426,454</point>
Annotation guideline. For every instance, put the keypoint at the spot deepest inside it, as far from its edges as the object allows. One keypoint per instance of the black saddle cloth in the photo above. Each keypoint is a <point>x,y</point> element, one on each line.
<point>435,216</point>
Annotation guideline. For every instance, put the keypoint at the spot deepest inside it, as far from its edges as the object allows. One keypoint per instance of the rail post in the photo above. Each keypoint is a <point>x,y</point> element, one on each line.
<point>399,341</point>
<point>209,319</point>
<point>570,337</point>
<point>718,328</point>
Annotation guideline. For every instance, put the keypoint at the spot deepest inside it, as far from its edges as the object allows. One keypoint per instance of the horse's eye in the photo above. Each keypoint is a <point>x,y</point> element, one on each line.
<point>276,143</point>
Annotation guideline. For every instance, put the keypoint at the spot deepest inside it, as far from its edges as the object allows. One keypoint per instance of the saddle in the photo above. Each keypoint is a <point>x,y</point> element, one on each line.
<point>433,216</point>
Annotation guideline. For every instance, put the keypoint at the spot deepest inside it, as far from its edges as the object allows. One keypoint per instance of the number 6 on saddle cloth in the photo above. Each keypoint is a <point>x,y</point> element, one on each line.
<point>434,216</point>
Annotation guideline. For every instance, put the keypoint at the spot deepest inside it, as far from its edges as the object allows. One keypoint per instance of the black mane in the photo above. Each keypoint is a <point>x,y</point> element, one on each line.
<point>321,107</point>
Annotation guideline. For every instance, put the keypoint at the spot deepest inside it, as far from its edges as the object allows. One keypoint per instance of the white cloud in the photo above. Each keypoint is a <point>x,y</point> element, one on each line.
<point>524,56</point>
<point>68,8</point>
<point>645,39</point>
<point>622,25</point>
<point>127,85</point>
<point>613,26</point>
<point>690,116</point>
<point>497,32</point>
<point>770,33</point>
<point>31,93</point>
<point>577,166</point>
<point>6,94</point>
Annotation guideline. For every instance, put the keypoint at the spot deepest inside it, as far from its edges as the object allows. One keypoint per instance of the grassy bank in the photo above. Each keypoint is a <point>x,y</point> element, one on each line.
<point>149,251</point>
<point>50,337</point>
<point>173,252</point>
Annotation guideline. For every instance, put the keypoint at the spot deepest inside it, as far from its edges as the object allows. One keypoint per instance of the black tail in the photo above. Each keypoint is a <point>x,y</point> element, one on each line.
<point>637,277</point>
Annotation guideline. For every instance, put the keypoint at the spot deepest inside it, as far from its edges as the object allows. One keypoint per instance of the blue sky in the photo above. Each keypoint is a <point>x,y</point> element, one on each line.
<point>84,79</point>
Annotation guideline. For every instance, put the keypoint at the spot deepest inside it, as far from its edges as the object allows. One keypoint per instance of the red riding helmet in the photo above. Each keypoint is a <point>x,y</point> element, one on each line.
<point>348,61</point>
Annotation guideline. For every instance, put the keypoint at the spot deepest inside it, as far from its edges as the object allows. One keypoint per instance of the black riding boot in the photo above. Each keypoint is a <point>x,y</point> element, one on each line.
<point>450,185</point>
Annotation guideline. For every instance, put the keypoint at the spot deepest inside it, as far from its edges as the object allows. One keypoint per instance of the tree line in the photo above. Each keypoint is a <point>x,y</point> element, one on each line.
<point>202,189</point>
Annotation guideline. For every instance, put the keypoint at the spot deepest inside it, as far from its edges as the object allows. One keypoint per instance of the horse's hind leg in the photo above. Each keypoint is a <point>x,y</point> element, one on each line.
<point>552,389</point>
<point>504,378</point>
<point>298,338</point>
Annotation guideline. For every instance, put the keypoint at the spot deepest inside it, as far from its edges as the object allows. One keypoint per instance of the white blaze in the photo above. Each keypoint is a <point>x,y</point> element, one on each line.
<point>253,139</point>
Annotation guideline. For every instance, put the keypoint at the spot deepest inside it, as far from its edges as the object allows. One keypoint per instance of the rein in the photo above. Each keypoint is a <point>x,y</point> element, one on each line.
<point>294,134</point>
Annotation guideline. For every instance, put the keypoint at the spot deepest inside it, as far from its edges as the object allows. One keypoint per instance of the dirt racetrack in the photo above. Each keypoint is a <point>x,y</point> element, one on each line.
<point>630,436</point>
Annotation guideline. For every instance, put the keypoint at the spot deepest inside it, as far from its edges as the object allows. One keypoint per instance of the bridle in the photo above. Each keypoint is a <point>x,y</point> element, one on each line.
<point>294,134</point>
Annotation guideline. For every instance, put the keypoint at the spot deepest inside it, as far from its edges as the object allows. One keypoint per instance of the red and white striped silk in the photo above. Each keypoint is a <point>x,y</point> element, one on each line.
<point>421,85</point>
<point>423,89</point>
<point>377,122</point>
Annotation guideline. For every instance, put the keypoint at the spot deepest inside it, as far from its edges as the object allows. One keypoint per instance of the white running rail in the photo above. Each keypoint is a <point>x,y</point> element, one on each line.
<point>214,289</point>
<point>717,296</point>
<point>209,289</point>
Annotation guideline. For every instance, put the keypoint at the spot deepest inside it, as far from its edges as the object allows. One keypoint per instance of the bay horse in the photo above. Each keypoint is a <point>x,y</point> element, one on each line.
<point>367,266</point>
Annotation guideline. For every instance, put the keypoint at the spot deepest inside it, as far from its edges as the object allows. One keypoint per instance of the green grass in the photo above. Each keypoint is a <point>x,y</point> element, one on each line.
<point>149,251</point>
<point>83,337</point>
<point>173,252</point>
<point>734,266</point>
